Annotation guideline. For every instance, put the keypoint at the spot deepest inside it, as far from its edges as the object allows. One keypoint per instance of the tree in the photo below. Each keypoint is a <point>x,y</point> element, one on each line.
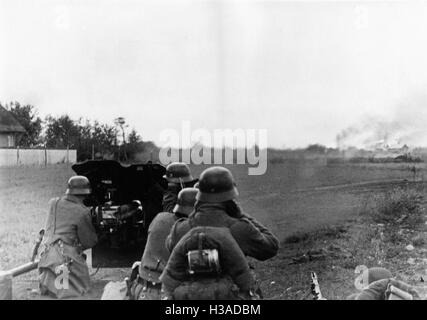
<point>93,138</point>
<point>134,137</point>
<point>62,132</point>
<point>104,136</point>
<point>316,148</point>
<point>90,138</point>
<point>27,117</point>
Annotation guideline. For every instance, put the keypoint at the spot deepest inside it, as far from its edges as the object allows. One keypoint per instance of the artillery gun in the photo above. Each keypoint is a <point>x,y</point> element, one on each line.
<point>124,201</point>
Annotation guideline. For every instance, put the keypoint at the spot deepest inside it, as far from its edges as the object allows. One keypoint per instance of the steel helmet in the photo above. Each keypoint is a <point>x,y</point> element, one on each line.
<point>178,172</point>
<point>78,185</point>
<point>186,200</point>
<point>216,184</point>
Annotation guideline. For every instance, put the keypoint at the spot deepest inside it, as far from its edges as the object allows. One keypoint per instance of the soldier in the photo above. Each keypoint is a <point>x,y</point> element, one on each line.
<point>382,286</point>
<point>388,289</point>
<point>216,207</point>
<point>155,256</point>
<point>63,272</point>
<point>178,176</point>
<point>207,264</point>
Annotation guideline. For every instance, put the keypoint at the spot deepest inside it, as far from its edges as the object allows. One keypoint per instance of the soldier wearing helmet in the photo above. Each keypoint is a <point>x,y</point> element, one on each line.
<point>207,264</point>
<point>63,272</point>
<point>216,206</point>
<point>147,285</point>
<point>179,176</point>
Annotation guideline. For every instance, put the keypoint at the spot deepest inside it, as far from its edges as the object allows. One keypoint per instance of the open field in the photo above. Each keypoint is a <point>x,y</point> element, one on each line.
<point>289,198</point>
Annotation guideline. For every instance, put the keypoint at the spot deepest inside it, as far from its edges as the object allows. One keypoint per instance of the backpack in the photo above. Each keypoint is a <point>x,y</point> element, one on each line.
<point>205,278</point>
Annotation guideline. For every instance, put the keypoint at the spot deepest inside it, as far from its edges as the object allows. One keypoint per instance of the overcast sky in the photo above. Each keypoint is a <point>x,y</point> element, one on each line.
<point>304,71</point>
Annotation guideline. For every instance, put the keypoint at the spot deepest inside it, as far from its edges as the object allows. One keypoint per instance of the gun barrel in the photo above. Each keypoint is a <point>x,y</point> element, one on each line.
<point>30,266</point>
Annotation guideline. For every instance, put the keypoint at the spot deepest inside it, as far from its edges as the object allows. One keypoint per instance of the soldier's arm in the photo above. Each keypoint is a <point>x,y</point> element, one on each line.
<point>405,287</point>
<point>48,220</point>
<point>178,230</point>
<point>169,200</point>
<point>375,291</point>
<point>254,239</point>
<point>175,270</point>
<point>379,290</point>
<point>85,231</point>
<point>234,262</point>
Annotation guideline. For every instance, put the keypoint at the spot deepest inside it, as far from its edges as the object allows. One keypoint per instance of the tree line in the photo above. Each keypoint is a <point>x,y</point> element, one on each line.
<point>91,139</point>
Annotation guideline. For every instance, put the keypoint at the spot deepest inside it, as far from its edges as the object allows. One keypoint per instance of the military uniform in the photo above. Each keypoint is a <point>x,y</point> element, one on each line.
<point>169,197</point>
<point>232,280</point>
<point>69,231</point>
<point>382,290</point>
<point>254,239</point>
<point>155,257</point>
<point>216,207</point>
<point>377,285</point>
<point>179,177</point>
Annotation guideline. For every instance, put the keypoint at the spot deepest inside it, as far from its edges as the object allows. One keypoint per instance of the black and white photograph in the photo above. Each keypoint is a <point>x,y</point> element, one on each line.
<point>213,150</point>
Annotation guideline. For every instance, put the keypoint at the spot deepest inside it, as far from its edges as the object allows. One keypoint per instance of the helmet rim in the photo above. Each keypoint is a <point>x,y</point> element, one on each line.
<point>78,185</point>
<point>77,192</point>
<point>179,179</point>
<point>217,197</point>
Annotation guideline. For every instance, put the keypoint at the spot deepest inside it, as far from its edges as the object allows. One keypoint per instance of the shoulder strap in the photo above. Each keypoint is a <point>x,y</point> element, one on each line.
<point>54,215</point>
<point>201,235</point>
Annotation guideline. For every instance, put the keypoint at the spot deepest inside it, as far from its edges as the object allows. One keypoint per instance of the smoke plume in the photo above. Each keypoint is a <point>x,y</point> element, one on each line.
<point>405,125</point>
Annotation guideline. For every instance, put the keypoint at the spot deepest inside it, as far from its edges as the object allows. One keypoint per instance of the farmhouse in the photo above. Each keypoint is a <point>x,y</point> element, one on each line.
<point>10,129</point>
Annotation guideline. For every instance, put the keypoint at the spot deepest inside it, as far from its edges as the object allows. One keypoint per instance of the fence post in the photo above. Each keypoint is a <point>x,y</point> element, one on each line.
<point>45,156</point>
<point>68,160</point>
<point>17,155</point>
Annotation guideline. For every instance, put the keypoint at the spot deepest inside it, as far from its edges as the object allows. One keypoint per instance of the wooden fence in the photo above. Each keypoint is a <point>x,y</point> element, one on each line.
<point>17,157</point>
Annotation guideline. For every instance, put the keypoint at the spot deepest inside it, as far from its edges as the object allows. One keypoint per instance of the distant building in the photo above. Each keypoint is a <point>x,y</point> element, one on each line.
<point>10,129</point>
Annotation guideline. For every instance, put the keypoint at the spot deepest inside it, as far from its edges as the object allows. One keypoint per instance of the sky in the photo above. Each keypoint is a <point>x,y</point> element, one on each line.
<point>305,71</point>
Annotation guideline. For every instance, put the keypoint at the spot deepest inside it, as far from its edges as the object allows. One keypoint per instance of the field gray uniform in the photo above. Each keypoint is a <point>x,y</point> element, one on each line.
<point>380,290</point>
<point>170,197</point>
<point>69,231</point>
<point>155,256</point>
<point>234,280</point>
<point>254,239</point>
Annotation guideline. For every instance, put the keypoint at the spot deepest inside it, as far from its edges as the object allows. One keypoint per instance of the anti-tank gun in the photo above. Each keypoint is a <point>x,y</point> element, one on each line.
<point>124,201</point>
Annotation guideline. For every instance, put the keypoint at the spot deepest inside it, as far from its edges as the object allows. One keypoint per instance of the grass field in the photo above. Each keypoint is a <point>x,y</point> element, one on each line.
<point>285,198</point>
<point>289,198</point>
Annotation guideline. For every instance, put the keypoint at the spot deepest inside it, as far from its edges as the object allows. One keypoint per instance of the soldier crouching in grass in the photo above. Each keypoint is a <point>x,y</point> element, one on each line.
<point>379,284</point>
<point>147,285</point>
<point>63,272</point>
<point>216,207</point>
